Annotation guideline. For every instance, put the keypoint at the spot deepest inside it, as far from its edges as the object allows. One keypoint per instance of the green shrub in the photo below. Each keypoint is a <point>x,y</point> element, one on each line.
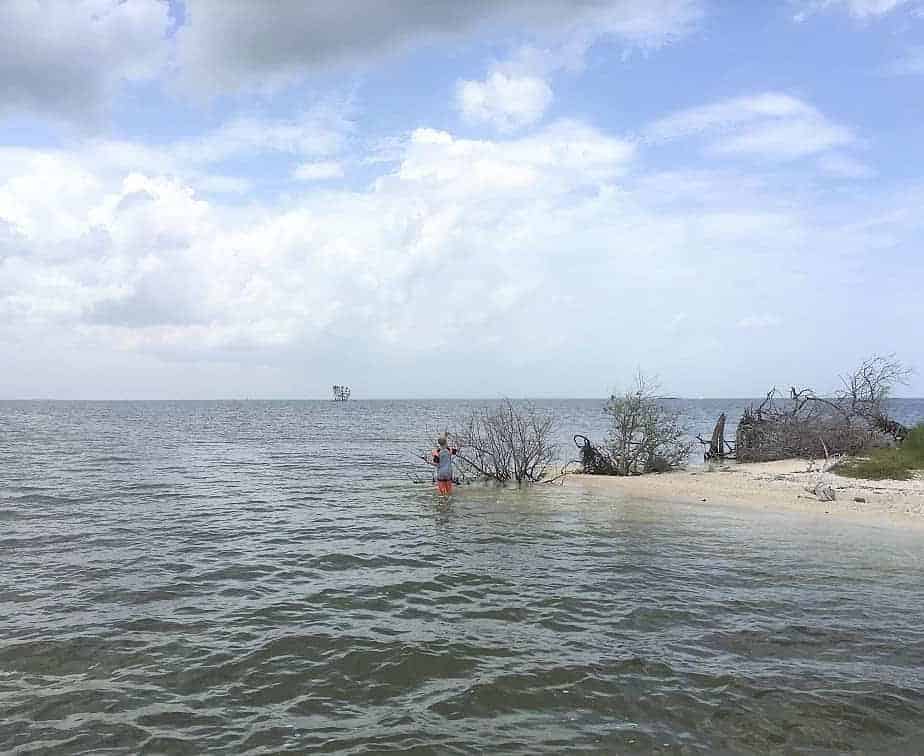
<point>913,445</point>
<point>883,464</point>
<point>888,464</point>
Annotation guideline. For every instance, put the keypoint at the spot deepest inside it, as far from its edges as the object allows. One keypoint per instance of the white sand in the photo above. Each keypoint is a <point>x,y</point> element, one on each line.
<point>774,486</point>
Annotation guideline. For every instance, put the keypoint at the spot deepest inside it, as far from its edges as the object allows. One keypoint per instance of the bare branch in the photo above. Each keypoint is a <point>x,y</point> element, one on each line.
<point>812,425</point>
<point>509,444</point>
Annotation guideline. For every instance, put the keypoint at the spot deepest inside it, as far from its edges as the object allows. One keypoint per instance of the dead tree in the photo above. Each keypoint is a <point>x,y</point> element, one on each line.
<point>507,444</point>
<point>808,425</point>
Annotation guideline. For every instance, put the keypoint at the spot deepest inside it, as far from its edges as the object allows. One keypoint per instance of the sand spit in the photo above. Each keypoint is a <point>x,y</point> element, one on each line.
<point>774,486</point>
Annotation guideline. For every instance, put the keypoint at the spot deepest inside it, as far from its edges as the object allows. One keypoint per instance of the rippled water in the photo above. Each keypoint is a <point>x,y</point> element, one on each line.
<point>264,578</point>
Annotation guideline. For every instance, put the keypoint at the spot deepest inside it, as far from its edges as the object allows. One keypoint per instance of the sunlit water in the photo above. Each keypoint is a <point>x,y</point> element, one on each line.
<point>265,577</point>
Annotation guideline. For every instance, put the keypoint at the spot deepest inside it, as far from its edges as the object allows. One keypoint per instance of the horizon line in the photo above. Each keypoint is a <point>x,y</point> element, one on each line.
<point>385,398</point>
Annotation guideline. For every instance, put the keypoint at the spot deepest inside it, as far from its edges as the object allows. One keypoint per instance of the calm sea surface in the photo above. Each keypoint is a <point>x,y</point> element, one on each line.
<point>265,577</point>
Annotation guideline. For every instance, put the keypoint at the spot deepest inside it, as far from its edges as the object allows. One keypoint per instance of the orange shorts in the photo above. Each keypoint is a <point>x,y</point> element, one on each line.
<point>444,487</point>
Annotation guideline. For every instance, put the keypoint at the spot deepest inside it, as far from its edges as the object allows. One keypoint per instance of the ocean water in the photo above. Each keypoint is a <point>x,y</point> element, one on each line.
<point>265,577</point>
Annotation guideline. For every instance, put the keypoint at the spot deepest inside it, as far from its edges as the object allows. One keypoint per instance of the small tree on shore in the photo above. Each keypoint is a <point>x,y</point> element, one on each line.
<point>867,388</point>
<point>509,443</point>
<point>645,435</point>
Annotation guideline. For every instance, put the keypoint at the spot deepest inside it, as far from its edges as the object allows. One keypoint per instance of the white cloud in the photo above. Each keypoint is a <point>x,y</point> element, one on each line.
<point>645,24</point>
<point>516,92</point>
<point>65,59</point>
<point>465,250</point>
<point>771,125</point>
<point>843,166</point>
<point>861,9</point>
<point>44,194</point>
<point>785,140</point>
<point>730,113</point>
<point>320,131</point>
<point>228,46</point>
<point>760,321</point>
<point>319,171</point>
<point>505,102</point>
<point>171,272</point>
<point>572,152</point>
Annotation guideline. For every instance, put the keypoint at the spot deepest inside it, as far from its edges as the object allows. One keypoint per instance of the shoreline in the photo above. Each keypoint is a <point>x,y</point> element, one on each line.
<point>773,487</point>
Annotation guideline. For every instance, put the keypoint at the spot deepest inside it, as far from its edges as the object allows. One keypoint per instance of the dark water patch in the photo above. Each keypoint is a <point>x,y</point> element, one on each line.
<point>43,499</point>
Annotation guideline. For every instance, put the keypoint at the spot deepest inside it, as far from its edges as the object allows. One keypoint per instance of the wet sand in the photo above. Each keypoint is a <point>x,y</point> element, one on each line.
<point>774,486</point>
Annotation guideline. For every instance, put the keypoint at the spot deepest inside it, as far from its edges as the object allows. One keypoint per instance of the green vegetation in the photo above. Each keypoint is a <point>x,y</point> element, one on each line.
<point>883,464</point>
<point>888,464</point>
<point>913,445</point>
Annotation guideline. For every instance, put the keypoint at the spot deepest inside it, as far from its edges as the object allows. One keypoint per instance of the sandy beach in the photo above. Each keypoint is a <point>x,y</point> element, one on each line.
<point>774,486</point>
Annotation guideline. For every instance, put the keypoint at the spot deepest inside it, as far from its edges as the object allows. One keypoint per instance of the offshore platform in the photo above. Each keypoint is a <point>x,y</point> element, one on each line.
<point>341,393</point>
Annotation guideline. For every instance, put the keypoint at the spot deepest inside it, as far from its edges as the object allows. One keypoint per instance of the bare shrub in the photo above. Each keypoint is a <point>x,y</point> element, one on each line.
<point>867,388</point>
<point>508,443</point>
<point>645,435</point>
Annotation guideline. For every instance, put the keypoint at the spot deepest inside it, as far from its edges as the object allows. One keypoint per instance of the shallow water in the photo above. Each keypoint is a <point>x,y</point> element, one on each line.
<point>264,577</point>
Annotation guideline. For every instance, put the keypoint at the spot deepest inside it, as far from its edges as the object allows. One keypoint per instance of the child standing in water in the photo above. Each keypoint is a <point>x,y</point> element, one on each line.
<point>442,459</point>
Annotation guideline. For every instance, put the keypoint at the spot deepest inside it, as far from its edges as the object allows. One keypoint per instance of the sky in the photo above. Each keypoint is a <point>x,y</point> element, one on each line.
<point>233,199</point>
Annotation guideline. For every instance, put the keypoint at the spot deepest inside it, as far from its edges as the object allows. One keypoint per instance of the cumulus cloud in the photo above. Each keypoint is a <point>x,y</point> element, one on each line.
<point>505,102</point>
<point>464,246</point>
<point>171,271</point>
<point>43,194</point>
<point>65,59</point>
<point>569,152</point>
<point>228,46</point>
<point>771,125</point>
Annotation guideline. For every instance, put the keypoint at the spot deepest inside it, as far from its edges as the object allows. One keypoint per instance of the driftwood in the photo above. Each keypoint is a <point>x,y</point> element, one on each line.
<point>717,446</point>
<point>593,461</point>
<point>822,491</point>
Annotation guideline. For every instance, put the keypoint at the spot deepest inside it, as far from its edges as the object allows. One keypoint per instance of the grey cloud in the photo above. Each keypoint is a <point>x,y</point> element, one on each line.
<point>160,299</point>
<point>229,45</point>
<point>64,59</point>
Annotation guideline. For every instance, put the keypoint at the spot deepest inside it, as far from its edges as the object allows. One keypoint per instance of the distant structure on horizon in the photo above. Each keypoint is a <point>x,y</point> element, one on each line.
<point>341,393</point>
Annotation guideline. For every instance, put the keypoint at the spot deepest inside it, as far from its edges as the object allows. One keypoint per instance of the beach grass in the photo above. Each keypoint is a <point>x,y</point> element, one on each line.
<point>899,463</point>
